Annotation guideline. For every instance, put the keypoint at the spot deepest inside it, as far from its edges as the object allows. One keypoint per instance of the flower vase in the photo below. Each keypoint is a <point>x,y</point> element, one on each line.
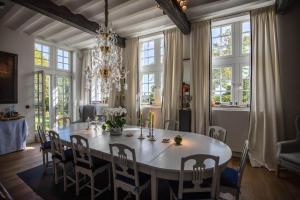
<point>116,131</point>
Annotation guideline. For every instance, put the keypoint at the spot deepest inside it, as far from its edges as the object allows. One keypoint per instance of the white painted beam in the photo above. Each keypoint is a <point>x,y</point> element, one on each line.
<point>11,14</point>
<point>87,5</point>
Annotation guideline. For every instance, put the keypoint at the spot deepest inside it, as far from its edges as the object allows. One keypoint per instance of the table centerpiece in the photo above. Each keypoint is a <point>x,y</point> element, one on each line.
<point>116,120</point>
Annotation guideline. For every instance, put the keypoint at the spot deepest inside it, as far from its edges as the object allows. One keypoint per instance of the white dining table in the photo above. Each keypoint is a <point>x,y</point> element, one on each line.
<point>158,159</point>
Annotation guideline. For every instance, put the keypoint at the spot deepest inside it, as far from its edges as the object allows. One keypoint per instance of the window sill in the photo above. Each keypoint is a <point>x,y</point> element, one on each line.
<point>231,108</point>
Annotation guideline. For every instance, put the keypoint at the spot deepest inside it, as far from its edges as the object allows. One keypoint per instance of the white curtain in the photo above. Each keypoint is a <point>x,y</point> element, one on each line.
<point>200,60</point>
<point>172,75</point>
<point>266,124</point>
<point>85,85</point>
<point>131,64</point>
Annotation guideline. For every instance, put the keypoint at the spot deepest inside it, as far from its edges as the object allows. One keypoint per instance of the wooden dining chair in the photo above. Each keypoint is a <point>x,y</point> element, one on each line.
<point>87,165</point>
<point>62,157</point>
<point>125,172</point>
<point>171,125</point>
<point>45,145</point>
<point>202,182</point>
<point>217,133</point>
<point>231,178</point>
<point>63,122</point>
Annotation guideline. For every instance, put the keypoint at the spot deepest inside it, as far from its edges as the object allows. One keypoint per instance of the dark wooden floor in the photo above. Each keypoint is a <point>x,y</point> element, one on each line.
<point>257,184</point>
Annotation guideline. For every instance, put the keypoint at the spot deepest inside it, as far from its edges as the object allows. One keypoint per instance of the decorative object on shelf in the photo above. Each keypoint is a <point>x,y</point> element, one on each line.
<point>10,114</point>
<point>183,4</point>
<point>186,96</point>
<point>8,78</point>
<point>116,120</point>
<point>165,140</point>
<point>106,60</point>
<point>141,137</point>
<point>178,139</point>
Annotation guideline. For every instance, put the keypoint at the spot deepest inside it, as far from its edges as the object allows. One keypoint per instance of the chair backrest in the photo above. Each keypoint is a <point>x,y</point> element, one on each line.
<point>171,125</point>
<point>81,150</point>
<point>243,161</point>
<point>217,132</point>
<point>297,122</point>
<point>57,147</point>
<point>41,133</point>
<point>62,122</point>
<point>121,164</point>
<point>199,174</point>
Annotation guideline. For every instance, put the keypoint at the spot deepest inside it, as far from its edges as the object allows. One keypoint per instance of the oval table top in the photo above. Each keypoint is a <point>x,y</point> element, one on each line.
<point>154,154</point>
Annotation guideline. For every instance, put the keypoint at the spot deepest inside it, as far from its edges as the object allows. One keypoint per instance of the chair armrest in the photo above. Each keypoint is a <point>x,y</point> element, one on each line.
<point>288,146</point>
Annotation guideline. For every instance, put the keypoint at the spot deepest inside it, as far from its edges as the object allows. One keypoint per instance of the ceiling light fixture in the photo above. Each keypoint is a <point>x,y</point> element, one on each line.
<point>183,4</point>
<point>106,59</point>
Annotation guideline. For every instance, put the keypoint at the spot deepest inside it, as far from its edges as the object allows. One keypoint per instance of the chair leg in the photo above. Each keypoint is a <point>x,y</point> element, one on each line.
<point>43,157</point>
<point>92,188</point>
<point>47,159</point>
<point>55,173</point>
<point>65,178</point>
<point>137,196</point>
<point>277,170</point>
<point>115,193</point>
<point>77,183</point>
<point>170,194</point>
<point>109,178</point>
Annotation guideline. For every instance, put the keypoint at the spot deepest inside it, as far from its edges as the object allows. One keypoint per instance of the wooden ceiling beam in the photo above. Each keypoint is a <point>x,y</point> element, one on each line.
<point>64,15</point>
<point>171,9</point>
<point>284,5</point>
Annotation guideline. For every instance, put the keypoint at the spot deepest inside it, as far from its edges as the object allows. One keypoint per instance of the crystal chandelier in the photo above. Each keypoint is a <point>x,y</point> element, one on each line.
<point>182,4</point>
<point>106,59</point>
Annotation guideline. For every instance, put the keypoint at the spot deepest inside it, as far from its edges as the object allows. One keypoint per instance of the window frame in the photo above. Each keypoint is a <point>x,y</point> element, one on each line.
<point>53,71</point>
<point>157,68</point>
<point>237,60</point>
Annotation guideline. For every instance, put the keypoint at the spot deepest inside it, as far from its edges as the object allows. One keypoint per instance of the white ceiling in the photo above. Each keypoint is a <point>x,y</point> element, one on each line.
<point>129,18</point>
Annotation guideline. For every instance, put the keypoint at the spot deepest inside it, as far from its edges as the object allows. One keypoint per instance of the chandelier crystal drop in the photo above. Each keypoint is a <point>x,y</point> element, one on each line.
<point>106,59</point>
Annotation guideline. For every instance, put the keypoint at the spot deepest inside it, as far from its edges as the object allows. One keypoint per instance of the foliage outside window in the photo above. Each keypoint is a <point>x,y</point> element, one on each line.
<point>41,55</point>
<point>62,97</point>
<point>231,71</point>
<point>151,69</point>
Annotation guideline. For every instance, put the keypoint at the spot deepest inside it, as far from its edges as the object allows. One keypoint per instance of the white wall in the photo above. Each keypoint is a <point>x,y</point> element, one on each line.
<point>22,45</point>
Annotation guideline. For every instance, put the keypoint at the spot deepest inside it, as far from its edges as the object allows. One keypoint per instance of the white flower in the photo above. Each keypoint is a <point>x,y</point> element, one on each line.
<point>116,111</point>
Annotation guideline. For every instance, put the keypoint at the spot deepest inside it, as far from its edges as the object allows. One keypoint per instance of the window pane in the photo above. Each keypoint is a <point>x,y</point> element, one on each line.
<point>245,72</point>
<point>60,53</point>
<point>66,54</point>
<point>226,73</point>
<point>216,32</point>
<point>246,27</point>
<point>226,30</point>
<point>38,47</point>
<point>246,40</point>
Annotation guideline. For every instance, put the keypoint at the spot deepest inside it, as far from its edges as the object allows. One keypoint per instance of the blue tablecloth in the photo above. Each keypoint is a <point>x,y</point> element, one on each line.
<point>13,135</point>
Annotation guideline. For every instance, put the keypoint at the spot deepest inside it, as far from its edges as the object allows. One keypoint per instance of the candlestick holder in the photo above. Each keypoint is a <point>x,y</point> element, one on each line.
<point>152,138</point>
<point>141,137</point>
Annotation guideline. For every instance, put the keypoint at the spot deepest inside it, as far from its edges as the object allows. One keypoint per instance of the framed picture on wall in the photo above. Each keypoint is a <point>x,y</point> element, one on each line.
<point>8,78</point>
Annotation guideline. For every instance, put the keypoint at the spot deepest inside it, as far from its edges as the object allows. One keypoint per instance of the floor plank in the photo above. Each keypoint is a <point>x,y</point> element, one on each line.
<point>257,183</point>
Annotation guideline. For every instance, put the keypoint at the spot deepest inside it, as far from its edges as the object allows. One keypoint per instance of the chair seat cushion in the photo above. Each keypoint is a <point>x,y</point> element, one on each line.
<point>143,178</point>
<point>97,163</point>
<point>229,177</point>
<point>46,145</point>
<point>68,156</point>
<point>193,195</point>
<point>291,157</point>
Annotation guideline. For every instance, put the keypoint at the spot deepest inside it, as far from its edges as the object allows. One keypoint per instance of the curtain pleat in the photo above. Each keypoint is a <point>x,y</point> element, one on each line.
<point>200,60</point>
<point>131,64</point>
<point>266,123</point>
<point>172,75</point>
<point>85,85</point>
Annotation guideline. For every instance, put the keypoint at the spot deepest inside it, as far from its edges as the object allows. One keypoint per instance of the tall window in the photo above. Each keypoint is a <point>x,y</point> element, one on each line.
<point>151,69</point>
<point>231,71</point>
<point>52,84</point>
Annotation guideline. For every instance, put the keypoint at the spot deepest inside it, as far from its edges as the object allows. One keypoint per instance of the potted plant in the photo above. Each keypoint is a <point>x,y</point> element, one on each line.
<point>116,120</point>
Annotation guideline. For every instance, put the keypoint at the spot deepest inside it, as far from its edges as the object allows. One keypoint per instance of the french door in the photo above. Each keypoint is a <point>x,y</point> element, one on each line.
<point>42,99</point>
